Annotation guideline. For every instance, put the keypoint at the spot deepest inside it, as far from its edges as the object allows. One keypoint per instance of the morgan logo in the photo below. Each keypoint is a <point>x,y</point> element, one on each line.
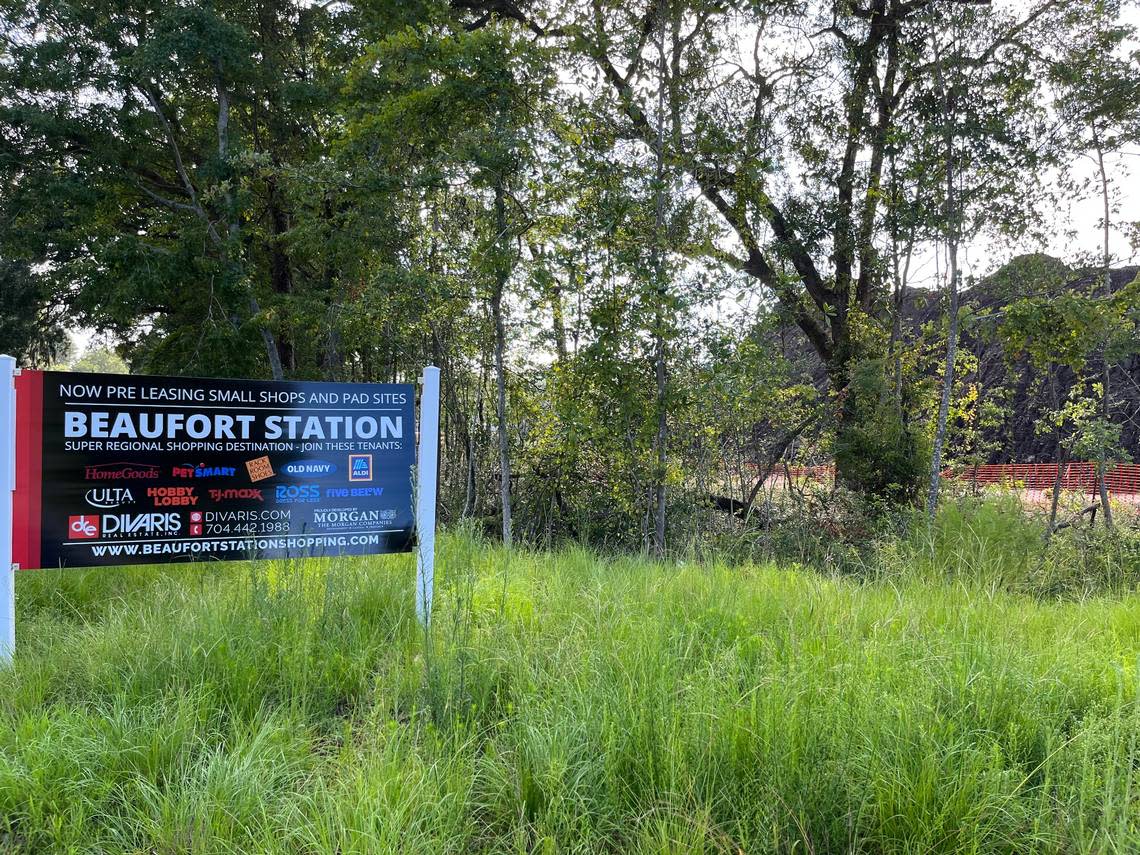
<point>120,472</point>
<point>344,515</point>
<point>83,527</point>
<point>109,497</point>
<point>360,467</point>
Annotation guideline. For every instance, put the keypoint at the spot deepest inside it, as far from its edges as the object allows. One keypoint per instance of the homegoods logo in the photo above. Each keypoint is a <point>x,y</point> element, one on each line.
<point>120,471</point>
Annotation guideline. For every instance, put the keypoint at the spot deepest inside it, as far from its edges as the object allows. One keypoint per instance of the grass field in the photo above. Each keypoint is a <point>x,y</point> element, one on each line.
<point>564,703</point>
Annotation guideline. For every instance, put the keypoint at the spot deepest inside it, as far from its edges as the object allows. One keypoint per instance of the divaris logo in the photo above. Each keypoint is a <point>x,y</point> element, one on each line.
<point>83,527</point>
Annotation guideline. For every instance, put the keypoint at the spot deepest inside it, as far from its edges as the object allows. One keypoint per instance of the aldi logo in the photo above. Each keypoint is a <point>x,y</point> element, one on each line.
<point>360,467</point>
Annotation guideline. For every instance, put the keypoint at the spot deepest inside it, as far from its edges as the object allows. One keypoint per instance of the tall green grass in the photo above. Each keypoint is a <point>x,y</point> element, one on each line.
<point>564,703</point>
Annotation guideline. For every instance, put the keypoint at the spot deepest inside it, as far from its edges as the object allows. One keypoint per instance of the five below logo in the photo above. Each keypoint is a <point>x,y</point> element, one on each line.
<point>360,467</point>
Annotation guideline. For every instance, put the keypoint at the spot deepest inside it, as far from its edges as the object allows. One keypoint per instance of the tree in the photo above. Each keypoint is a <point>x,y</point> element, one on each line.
<point>474,98</point>
<point>1098,98</point>
<point>782,119</point>
<point>31,324</point>
<point>163,135</point>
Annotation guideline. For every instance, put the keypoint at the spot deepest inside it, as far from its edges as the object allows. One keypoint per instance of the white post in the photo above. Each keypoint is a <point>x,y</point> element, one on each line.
<point>425,493</point>
<point>7,485</point>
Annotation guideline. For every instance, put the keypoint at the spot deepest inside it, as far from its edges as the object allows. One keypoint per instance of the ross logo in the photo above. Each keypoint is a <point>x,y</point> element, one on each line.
<point>287,493</point>
<point>360,467</point>
<point>259,469</point>
<point>109,497</point>
<point>195,523</point>
<point>141,524</point>
<point>167,497</point>
<point>83,527</point>
<point>188,470</point>
<point>120,472</point>
<point>234,493</point>
<point>308,468</point>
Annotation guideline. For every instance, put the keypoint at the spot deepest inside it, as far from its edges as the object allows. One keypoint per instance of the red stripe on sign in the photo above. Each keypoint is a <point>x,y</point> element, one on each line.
<point>27,510</point>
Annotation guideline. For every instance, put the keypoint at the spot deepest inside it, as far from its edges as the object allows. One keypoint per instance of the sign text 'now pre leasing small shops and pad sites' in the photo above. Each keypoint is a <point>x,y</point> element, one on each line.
<point>114,469</point>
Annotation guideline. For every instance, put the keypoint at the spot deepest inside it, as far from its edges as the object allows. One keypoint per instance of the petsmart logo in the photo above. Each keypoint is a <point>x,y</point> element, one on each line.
<point>360,467</point>
<point>188,470</point>
<point>309,468</point>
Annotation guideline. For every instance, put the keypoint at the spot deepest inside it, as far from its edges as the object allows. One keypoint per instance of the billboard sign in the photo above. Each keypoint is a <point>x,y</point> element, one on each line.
<point>115,469</point>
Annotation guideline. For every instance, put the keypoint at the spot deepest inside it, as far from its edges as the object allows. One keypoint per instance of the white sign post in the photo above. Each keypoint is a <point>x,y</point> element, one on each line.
<point>7,486</point>
<point>426,483</point>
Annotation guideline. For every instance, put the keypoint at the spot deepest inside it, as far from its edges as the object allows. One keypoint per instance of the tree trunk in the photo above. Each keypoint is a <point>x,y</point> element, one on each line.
<point>950,214</point>
<point>501,275</point>
<point>558,318</point>
<point>1102,462</point>
<point>271,351</point>
<point>1062,462</point>
<point>659,350</point>
<point>280,272</point>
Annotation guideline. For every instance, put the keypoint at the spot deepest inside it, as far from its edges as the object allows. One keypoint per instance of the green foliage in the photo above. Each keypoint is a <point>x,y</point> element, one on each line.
<point>566,703</point>
<point>1000,544</point>
<point>1088,434</point>
<point>877,451</point>
<point>31,329</point>
<point>1068,328</point>
<point>97,359</point>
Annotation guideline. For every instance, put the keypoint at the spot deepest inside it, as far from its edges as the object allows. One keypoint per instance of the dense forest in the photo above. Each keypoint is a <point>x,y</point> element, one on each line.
<point>658,249</point>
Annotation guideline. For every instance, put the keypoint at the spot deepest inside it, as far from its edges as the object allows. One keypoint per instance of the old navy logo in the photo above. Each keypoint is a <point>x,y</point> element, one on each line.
<point>309,468</point>
<point>188,470</point>
<point>109,497</point>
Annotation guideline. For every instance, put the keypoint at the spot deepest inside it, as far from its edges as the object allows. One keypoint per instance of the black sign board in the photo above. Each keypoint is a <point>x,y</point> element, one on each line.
<point>141,470</point>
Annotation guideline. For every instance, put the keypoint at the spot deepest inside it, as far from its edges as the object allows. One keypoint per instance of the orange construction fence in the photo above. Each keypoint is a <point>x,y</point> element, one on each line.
<point>1122,478</point>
